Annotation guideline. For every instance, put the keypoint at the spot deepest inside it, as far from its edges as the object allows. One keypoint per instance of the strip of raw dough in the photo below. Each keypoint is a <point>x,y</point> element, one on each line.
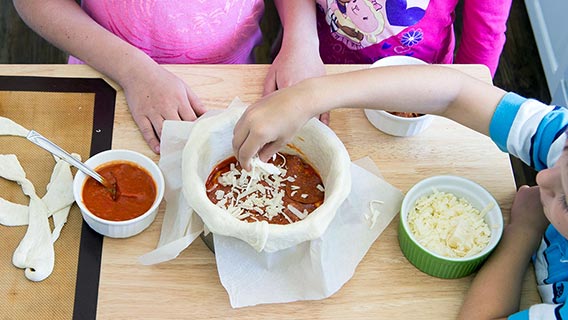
<point>10,128</point>
<point>59,196</point>
<point>35,252</point>
<point>13,214</point>
<point>58,199</point>
<point>11,169</point>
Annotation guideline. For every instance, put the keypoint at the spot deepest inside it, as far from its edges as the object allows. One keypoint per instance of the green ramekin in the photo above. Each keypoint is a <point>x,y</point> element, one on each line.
<point>435,264</point>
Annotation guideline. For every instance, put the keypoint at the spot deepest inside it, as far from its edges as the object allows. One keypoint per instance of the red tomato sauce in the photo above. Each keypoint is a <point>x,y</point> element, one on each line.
<point>302,193</point>
<point>136,192</point>
<point>406,114</point>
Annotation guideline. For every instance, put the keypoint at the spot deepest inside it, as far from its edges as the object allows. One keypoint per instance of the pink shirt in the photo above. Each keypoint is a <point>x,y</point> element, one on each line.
<point>184,32</point>
<point>363,31</point>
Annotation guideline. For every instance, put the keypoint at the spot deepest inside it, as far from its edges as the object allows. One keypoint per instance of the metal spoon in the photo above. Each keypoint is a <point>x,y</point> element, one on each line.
<point>48,145</point>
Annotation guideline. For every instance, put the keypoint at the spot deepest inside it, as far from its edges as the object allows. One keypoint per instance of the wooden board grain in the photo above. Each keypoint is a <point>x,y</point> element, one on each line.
<point>385,284</point>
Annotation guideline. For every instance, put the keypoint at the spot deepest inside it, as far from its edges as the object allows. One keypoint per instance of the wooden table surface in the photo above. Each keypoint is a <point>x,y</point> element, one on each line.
<point>385,285</point>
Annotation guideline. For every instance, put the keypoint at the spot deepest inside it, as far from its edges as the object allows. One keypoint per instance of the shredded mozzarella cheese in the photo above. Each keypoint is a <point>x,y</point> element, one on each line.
<point>248,193</point>
<point>297,212</point>
<point>375,213</point>
<point>449,226</point>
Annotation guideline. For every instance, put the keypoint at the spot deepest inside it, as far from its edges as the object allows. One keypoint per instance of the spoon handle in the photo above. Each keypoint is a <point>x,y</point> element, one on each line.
<point>48,145</point>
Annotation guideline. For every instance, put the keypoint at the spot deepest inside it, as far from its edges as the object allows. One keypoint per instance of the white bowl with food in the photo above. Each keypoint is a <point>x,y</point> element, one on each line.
<point>400,124</point>
<point>140,190</point>
<point>448,226</point>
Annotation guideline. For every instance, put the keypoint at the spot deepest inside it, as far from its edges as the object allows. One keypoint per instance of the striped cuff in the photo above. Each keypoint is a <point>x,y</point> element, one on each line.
<point>503,118</point>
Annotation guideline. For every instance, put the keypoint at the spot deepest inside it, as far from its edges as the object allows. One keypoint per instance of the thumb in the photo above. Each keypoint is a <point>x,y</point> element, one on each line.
<point>268,150</point>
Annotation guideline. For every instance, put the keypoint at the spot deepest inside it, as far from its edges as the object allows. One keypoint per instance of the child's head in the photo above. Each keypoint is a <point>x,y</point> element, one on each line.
<point>553,184</point>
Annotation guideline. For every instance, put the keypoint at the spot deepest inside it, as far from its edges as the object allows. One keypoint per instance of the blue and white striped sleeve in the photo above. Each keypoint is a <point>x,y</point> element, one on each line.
<point>529,130</point>
<point>542,311</point>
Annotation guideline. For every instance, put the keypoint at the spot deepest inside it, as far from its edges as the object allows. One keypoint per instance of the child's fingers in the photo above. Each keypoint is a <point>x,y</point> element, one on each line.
<point>195,104</point>
<point>149,134</point>
<point>269,83</point>
<point>240,133</point>
<point>246,151</point>
<point>173,113</point>
<point>186,113</point>
<point>324,118</point>
<point>269,150</point>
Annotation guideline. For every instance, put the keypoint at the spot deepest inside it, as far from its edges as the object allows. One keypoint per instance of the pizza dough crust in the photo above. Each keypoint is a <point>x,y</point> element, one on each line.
<point>210,142</point>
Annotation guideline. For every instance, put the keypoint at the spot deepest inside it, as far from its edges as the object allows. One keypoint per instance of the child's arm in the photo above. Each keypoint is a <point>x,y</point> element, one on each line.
<point>153,94</point>
<point>483,32</point>
<point>270,123</point>
<point>298,57</point>
<point>496,290</point>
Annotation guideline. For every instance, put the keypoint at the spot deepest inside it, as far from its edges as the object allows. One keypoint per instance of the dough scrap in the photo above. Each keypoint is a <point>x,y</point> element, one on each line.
<point>35,252</point>
<point>59,196</point>
<point>11,169</point>
<point>10,128</point>
<point>13,214</point>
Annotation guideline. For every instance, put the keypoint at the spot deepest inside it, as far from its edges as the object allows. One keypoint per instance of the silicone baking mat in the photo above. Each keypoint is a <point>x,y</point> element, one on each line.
<point>77,114</point>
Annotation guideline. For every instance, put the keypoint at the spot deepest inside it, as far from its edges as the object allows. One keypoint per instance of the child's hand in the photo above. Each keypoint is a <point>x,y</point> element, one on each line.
<point>495,292</point>
<point>159,95</point>
<point>527,212</point>
<point>266,126</point>
<point>292,65</point>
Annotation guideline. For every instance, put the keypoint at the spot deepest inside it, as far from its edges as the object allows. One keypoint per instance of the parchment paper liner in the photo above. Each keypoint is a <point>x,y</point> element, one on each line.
<point>309,270</point>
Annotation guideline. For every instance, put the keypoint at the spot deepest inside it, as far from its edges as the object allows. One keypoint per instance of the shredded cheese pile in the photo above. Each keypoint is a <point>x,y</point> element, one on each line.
<point>261,190</point>
<point>449,226</point>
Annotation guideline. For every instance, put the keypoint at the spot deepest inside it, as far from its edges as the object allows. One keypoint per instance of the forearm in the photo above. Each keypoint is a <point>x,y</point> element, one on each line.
<point>424,89</point>
<point>298,18</point>
<point>67,26</point>
<point>496,290</point>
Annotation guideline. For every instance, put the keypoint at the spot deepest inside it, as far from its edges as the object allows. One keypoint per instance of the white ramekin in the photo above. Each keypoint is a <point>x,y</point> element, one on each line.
<point>389,123</point>
<point>398,126</point>
<point>120,229</point>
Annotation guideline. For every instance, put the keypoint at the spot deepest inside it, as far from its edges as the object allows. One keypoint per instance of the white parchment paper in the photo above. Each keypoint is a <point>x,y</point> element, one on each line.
<point>312,270</point>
